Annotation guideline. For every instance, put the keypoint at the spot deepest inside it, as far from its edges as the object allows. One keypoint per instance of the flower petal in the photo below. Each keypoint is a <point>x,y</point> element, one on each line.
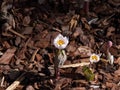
<point>94,58</point>
<point>60,42</point>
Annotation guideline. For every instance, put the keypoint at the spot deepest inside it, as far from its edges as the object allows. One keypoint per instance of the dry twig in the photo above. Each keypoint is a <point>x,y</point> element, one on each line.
<point>9,28</point>
<point>16,33</point>
<point>75,65</point>
<point>15,84</point>
<point>34,54</point>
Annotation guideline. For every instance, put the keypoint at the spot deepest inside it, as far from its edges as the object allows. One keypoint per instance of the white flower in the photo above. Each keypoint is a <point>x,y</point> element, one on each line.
<point>110,58</point>
<point>61,42</point>
<point>94,58</point>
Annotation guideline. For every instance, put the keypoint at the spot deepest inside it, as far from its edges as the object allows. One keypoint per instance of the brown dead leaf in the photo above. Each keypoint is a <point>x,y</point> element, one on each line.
<point>6,58</point>
<point>84,51</point>
<point>73,23</point>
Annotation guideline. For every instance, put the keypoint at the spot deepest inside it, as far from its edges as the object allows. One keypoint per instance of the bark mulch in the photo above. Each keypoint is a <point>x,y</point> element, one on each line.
<point>28,28</point>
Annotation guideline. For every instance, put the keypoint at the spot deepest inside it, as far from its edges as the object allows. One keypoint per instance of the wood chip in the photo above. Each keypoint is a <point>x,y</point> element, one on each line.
<point>5,59</point>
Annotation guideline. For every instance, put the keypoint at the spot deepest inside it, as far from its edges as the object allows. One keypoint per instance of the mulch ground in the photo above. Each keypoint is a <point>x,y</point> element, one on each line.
<point>27,53</point>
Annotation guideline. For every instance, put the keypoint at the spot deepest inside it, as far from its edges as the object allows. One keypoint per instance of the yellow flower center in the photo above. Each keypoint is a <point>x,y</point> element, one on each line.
<point>60,42</point>
<point>94,58</point>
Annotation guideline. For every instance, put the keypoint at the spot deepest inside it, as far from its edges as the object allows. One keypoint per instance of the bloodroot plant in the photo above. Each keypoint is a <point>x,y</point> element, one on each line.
<point>110,57</point>
<point>60,42</point>
<point>88,73</point>
<point>94,58</point>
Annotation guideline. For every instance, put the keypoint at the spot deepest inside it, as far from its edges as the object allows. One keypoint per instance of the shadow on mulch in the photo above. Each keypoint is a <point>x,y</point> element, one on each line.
<point>74,76</point>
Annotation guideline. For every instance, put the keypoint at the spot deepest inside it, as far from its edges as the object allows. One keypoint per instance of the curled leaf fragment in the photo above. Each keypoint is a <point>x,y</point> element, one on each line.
<point>89,75</point>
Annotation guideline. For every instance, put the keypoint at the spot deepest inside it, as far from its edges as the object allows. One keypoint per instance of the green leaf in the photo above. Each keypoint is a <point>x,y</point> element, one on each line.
<point>89,75</point>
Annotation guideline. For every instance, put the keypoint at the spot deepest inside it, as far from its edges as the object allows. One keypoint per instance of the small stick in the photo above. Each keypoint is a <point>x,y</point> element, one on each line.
<point>75,65</point>
<point>9,28</point>
<point>80,64</point>
<point>32,58</point>
<point>34,54</point>
<point>15,84</point>
<point>18,34</point>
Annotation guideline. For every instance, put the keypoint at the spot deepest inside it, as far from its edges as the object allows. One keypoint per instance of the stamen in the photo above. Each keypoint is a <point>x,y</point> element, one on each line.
<point>94,58</point>
<point>60,42</point>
